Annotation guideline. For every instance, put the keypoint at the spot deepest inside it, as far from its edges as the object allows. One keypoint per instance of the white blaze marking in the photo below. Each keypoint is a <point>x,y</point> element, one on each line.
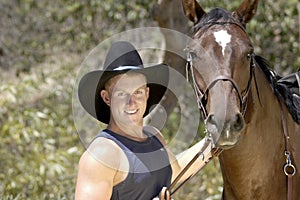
<point>222,38</point>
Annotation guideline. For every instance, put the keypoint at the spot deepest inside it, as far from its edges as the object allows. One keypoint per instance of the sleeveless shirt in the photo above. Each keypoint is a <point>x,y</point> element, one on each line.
<point>149,167</point>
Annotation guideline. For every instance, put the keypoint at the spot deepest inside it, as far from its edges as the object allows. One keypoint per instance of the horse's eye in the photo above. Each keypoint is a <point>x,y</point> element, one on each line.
<point>249,56</point>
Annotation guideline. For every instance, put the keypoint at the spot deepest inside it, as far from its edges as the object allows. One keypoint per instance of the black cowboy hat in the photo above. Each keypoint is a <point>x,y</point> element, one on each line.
<point>121,58</point>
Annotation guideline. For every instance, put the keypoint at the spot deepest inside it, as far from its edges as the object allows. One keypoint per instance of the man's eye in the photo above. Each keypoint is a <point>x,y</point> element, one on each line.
<point>139,92</point>
<point>120,94</point>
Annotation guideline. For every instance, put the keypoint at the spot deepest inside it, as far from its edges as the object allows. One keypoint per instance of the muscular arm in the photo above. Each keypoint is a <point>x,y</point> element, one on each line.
<point>98,171</point>
<point>186,156</point>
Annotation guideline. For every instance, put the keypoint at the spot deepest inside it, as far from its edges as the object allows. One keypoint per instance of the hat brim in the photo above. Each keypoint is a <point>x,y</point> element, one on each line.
<point>93,82</point>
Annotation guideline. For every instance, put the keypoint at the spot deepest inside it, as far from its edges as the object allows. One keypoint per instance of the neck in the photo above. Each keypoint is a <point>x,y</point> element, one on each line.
<point>257,160</point>
<point>133,132</point>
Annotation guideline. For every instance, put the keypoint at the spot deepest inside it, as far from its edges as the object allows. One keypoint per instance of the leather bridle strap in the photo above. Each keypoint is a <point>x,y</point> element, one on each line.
<point>215,153</point>
<point>288,165</point>
<point>224,78</point>
<point>206,145</point>
<point>201,96</point>
<point>205,158</point>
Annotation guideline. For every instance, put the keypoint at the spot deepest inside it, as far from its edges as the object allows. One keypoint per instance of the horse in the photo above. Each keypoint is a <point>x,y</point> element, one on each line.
<point>259,139</point>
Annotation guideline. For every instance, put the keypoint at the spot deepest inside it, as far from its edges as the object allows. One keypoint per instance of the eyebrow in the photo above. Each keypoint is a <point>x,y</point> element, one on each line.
<point>116,88</point>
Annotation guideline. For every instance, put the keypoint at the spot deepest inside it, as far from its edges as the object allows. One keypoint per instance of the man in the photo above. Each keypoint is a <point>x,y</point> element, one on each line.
<point>126,160</point>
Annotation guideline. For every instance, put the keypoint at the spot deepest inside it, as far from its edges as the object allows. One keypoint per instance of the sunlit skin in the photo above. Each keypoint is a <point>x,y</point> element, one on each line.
<point>127,96</point>
<point>104,164</point>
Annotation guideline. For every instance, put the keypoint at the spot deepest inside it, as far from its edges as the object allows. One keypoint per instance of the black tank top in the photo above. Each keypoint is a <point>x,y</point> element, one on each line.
<point>149,167</point>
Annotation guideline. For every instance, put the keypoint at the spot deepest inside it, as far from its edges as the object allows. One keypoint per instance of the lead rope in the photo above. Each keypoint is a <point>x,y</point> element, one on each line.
<point>166,193</point>
<point>200,153</point>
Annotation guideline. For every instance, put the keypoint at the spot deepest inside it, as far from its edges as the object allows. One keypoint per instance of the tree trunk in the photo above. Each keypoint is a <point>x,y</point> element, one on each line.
<point>169,15</point>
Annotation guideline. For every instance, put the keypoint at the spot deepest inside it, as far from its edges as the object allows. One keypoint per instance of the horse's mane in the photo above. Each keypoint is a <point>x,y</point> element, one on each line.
<point>279,85</point>
<point>285,87</point>
<point>266,67</point>
<point>214,15</point>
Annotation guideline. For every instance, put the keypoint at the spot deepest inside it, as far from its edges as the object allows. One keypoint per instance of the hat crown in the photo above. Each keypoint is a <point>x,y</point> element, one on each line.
<point>122,53</point>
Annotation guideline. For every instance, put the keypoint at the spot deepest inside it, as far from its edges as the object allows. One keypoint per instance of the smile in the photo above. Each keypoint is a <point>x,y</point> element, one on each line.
<point>131,112</point>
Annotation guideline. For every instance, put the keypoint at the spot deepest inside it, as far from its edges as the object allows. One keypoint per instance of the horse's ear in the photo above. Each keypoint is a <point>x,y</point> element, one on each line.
<point>192,10</point>
<point>246,11</point>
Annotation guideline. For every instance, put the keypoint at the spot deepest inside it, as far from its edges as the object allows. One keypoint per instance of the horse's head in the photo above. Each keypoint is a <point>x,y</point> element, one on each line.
<point>221,60</point>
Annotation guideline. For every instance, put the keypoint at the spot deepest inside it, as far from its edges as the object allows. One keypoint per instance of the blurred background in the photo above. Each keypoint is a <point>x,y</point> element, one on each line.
<point>42,45</point>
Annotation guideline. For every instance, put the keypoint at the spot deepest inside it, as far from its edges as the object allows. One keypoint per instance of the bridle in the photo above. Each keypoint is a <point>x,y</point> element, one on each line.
<point>202,96</point>
<point>201,101</point>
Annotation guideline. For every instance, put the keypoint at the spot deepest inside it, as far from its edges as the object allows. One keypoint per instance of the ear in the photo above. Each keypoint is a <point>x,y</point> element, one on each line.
<point>192,10</point>
<point>105,96</point>
<point>246,11</point>
<point>147,92</point>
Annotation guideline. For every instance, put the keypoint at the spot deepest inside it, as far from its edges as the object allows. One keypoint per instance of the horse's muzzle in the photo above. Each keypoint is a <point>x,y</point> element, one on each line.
<point>226,133</point>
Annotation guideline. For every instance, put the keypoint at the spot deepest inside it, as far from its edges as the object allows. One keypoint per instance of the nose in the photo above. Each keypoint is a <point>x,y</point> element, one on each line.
<point>225,132</point>
<point>236,123</point>
<point>131,99</point>
<point>211,119</point>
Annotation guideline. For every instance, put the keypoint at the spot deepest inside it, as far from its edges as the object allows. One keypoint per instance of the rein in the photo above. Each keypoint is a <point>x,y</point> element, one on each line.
<point>288,169</point>
<point>206,154</point>
<point>202,97</point>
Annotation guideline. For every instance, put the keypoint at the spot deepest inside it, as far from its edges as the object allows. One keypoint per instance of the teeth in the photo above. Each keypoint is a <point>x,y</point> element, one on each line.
<point>131,111</point>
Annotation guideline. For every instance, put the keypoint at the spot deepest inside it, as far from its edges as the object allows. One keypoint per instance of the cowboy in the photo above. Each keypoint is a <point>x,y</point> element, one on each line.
<point>127,160</point>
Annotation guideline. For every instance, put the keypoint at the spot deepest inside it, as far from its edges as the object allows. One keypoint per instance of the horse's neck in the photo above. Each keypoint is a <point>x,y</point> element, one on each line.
<point>263,116</point>
<point>261,143</point>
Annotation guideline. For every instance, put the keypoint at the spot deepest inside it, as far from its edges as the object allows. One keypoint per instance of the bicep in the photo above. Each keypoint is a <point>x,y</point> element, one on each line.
<point>95,180</point>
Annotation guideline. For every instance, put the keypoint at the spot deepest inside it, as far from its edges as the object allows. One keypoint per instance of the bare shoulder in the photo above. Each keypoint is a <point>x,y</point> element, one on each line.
<point>104,152</point>
<point>101,166</point>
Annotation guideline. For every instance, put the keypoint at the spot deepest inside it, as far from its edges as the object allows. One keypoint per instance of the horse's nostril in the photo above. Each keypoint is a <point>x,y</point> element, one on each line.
<point>211,125</point>
<point>211,119</point>
<point>238,123</point>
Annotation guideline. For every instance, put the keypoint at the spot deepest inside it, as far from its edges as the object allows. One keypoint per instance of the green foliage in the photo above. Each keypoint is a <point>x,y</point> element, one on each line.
<point>39,147</point>
<point>32,30</point>
<point>275,34</point>
<point>207,184</point>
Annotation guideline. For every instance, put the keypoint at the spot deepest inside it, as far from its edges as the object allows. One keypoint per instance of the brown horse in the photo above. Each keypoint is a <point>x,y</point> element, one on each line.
<point>242,113</point>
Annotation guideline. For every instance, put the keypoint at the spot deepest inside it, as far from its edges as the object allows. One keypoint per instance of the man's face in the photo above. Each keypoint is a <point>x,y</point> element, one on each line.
<point>127,94</point>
